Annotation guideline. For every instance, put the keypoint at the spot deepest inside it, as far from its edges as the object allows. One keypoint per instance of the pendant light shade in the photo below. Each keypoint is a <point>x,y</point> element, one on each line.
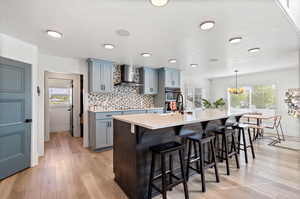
<point>236,90</point>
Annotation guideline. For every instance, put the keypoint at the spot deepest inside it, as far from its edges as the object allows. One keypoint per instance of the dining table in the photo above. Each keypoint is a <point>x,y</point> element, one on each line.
<point>259,121</point>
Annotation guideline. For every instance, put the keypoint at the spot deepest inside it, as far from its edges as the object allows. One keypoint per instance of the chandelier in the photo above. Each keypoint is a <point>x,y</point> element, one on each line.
<point>236,90</point>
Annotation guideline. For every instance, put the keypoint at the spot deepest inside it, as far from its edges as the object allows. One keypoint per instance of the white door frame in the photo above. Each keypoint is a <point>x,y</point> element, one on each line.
<point>76,101</point>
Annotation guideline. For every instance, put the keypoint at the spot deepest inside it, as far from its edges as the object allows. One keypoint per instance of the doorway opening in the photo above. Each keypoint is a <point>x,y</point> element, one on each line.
<point>63,104</point>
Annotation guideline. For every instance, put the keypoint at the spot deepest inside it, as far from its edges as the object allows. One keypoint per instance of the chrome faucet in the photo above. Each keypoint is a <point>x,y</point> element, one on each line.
<point>179,103</point>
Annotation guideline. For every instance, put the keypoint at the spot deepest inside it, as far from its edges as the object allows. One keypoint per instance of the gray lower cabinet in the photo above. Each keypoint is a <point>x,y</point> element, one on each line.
<point>155,111</point>
<point>100,76</point>
<point>101,127</point>
<point>102,134</point>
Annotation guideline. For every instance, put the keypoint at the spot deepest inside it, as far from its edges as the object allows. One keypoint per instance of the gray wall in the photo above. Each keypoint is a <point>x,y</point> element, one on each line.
<point>283,79</point>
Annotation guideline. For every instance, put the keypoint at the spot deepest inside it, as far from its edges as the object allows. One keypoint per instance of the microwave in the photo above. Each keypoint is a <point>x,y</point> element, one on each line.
<point>171,94</point>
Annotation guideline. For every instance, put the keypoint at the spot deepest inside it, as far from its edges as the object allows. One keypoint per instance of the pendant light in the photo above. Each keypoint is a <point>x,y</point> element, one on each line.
<point>236,90</point>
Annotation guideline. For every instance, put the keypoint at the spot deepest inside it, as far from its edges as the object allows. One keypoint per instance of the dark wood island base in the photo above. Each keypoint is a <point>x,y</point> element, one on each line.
<point>132,157</point>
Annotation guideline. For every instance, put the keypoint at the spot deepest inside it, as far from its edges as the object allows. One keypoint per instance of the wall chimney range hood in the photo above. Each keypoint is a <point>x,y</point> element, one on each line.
<point>129,76</point>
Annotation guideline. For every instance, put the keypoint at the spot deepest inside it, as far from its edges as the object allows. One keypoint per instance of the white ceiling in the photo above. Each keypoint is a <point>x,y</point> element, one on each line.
<point>169,32</point>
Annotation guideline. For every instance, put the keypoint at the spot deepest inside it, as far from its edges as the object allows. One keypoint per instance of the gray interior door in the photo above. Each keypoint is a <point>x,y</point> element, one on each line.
<point>15,116</point>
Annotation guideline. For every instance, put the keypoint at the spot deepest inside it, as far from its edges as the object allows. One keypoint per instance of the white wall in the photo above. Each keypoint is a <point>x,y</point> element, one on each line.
<point>283,79</point>
<point>21,51</point>
<point>192,79</point>
<point>293,10</point>
<point>67,66</point>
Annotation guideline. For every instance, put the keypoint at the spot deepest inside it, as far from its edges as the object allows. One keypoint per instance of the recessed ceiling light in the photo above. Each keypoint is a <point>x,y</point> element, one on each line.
<point>214,60</point>
<point>123,32</point>
<point>146,54</point>
<point>109,46</point>
<point>54,34</point>
<point>207,25</point>
<point>172,61</point>
<point>194,65</point>
<point>159,3</point>
<point>254,50</point>
<point>235,40</point>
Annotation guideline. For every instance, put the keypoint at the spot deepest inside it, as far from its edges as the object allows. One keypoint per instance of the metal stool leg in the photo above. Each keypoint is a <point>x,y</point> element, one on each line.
<point>251,143</point>
<point>186,193</point>
<point>151,176</point>
<point>202,167</point>
<point>245,145</point>
<point>163,173</point>
<point>226,154</point>
<point>214,160</point>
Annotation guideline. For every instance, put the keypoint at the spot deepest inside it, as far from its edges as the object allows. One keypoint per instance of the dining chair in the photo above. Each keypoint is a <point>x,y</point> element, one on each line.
<point>274,125</point>
<point>278,127</point>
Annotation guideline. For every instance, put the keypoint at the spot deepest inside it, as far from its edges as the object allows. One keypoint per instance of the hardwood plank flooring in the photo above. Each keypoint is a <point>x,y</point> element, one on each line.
<point>69,171</point>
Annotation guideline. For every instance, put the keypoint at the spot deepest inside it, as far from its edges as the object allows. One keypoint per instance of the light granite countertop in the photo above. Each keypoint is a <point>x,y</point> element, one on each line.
<point>158,121</point>
<point>129,109</point>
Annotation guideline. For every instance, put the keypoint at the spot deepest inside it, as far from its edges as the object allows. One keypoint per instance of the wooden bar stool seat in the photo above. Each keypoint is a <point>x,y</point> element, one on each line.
<point>227,132</point>
<point>199,156</point>
<point>244,146</point>
<point>162,151</point>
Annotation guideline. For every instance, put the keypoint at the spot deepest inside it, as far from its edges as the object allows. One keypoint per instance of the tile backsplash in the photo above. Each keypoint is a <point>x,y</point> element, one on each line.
<point>122,97</point>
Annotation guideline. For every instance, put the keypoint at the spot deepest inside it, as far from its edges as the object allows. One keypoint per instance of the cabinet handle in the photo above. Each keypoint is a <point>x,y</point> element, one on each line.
<point>151,89</point>
<point>108,115</point>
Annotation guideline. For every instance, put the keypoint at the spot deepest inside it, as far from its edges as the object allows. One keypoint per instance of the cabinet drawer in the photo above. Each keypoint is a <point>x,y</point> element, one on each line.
<point>107,115</point>
<point>134,112</point>
<point>155,111</point>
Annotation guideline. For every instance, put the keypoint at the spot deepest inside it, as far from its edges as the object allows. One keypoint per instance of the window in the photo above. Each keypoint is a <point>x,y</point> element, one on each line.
<point>255,98</point>
<point>264,97</point>
<point>60,96</point>
<point>193,98</point>
<point>241,101</point>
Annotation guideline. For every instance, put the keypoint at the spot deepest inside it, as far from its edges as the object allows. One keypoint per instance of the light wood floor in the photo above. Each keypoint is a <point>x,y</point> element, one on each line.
<point>69,171</point>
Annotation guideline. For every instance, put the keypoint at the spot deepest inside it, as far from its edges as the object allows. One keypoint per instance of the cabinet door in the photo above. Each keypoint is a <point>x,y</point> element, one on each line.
<point>110,133</point>
<point>155,81</point>
<point>107,76</point>
<point>150,77</point>
<point>147,82</point>
<point>176,78</point>
<point>168,78</point>
<point>101,133</point>
<point>100,75</point>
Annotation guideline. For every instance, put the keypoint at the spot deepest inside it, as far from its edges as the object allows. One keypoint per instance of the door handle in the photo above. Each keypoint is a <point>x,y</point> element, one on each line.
<point>28,120</point>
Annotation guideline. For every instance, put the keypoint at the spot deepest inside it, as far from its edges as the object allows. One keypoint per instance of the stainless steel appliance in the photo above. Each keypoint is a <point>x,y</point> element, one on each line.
<point>129,76</point>
<point>171,95</point>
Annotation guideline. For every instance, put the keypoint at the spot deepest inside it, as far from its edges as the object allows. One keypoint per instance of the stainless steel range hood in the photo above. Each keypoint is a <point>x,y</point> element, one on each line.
<point>129,76</point>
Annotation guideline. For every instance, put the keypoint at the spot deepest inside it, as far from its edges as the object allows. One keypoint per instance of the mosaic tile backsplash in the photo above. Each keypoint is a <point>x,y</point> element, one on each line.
<point>122,97</point>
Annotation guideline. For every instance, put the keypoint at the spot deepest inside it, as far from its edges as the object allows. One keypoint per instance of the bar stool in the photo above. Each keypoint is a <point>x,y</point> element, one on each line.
<point>244,147</point>
<point>226,132</point>
<point>163,150</point>
<point>199,156</point>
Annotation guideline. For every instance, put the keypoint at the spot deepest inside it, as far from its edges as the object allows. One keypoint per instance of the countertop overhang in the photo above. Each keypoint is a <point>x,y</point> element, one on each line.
<point>159,121</point>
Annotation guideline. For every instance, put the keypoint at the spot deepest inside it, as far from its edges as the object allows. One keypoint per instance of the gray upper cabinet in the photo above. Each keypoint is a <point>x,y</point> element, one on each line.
<point>100,76</point>
<point>150,79</point>
<point>171,77</point>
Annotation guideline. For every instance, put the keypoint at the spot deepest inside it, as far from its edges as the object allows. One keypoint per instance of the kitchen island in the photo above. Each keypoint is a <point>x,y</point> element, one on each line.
<point>135,134</point>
